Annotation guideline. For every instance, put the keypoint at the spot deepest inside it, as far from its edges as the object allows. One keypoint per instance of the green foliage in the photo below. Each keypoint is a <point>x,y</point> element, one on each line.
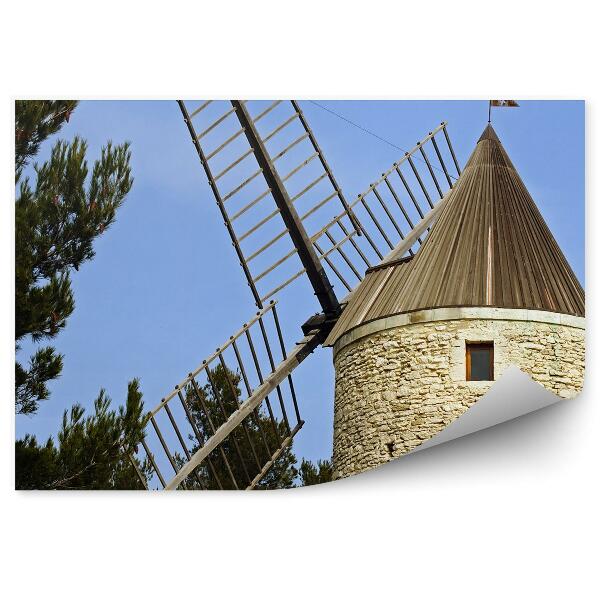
<point>252,439</point>
<point>245,459</point>
<point>311,474</point>
<point>34,122</point>
<point>56,222</point>
<point>30,385</point>
<point>92,453</point>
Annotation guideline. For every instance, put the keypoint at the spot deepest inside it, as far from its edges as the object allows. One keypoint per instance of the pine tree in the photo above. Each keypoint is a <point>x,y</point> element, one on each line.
<point>57,219</point>
<point>94,452</point>
<point>311,474</point>
<point>247,449</point>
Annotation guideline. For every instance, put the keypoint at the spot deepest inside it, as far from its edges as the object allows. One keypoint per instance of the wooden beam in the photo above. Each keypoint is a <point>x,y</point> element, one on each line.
<point>306,251</point>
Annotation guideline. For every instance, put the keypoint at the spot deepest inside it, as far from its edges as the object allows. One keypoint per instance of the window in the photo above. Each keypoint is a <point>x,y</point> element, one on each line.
<point>480,361</point>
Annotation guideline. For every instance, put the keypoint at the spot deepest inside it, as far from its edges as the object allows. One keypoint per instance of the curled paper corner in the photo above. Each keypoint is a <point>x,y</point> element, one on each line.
<point>513,395</point>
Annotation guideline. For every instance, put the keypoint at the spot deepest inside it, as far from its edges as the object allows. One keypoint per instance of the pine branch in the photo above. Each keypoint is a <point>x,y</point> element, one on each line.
<point>35,121</point>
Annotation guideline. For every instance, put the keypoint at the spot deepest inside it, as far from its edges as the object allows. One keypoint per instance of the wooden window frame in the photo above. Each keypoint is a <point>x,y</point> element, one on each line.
<point>489,346</point>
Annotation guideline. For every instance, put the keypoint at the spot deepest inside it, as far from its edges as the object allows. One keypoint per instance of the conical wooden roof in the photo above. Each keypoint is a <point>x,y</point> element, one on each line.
<point>489,247</point>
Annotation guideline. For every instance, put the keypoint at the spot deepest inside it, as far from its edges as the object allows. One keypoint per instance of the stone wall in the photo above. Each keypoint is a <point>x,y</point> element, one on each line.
<point>396,388</point>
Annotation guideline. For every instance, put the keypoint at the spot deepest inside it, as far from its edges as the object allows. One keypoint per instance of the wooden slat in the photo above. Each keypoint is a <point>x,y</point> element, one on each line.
<point>200,108</point>
<point>215,123</point>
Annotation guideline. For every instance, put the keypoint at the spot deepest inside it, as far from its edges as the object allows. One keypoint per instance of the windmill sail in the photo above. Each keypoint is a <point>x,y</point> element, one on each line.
<point>345,243</point>
<point>226,424</point>
<point>247,196</point>
<point>395,212</point>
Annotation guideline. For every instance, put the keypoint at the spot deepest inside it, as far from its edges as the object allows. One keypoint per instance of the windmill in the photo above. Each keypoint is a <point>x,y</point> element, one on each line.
<point>288,219</point>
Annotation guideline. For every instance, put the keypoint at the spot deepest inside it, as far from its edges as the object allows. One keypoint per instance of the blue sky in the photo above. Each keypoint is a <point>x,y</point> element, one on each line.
<point>165,287</point>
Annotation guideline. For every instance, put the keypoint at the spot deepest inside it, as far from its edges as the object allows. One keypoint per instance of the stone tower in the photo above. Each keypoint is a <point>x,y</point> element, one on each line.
<point>423,338</point>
